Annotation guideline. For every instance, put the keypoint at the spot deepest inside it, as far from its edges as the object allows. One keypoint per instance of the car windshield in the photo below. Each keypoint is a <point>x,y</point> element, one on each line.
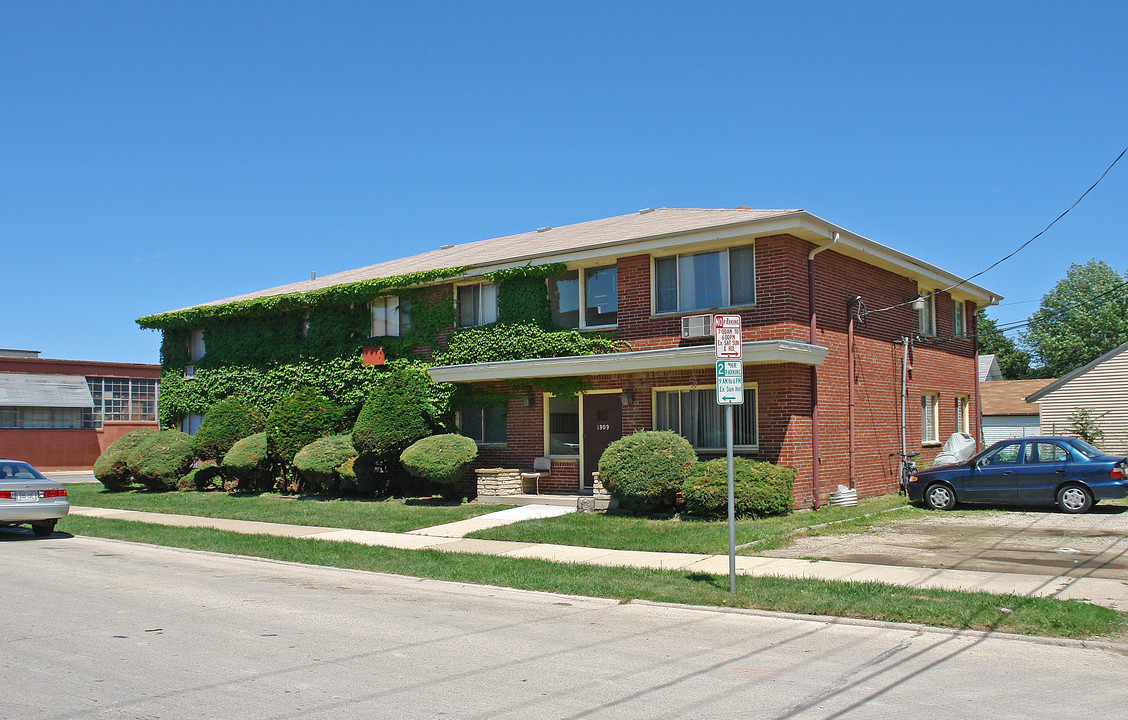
<point>18,471</point>
<point>1085,448</point>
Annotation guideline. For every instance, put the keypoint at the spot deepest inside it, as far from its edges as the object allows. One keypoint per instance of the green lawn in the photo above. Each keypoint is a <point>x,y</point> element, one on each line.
<point>382,515</point>
<point>979,611</point>
<point>620,532</point>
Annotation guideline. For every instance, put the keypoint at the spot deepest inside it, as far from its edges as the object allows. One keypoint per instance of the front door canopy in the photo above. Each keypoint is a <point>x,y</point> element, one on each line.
<point>762,352</point>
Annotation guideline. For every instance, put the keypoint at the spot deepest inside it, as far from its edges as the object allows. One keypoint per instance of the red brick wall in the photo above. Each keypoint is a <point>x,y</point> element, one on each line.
<point>57,449</point>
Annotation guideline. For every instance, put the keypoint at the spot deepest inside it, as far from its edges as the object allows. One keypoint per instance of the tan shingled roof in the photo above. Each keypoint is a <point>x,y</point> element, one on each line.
<point>536,244</point>
<point>1008,397</point>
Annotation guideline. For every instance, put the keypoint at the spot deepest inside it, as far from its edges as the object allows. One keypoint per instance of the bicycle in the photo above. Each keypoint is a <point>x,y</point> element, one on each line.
<point>906,466</point>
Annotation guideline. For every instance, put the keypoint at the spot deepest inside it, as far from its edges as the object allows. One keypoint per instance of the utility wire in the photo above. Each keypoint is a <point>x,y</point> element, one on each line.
<point>1023,245</point>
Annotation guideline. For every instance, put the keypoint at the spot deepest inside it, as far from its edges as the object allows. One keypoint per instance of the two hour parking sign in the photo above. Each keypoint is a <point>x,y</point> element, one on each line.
<point>730,368</point>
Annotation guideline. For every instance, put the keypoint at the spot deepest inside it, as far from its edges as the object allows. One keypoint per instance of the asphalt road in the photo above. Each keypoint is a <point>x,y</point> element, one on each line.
<point>104,629</point>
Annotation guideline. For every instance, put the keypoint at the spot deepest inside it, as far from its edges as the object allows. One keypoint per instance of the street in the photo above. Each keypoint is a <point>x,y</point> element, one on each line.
<point>105,629</point>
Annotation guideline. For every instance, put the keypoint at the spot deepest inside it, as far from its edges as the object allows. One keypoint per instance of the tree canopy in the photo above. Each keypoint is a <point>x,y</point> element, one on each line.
<point>1014,362</point>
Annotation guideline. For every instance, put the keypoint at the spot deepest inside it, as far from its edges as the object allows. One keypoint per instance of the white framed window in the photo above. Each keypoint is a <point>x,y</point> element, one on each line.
<point>929,420</point>
<point>705,280</point>
<point>121,399</point>
<point>196,348</point>
<point>390,317</point>
<point>599,288</point>
<point>694,414</point>
<point>476,304</point>
<point>484,426</point>
<point>562,427</point>
<point>959,319</point>
<point>962,415</point>
<point>926,316</point>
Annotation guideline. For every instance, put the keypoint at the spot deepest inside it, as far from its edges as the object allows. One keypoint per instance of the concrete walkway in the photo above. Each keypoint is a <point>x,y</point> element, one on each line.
<point>451,538</point>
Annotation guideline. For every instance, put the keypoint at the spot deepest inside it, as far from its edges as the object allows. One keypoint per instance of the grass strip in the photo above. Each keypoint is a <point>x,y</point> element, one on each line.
<point>380,515</point>
<point>621,532</point>
<point>870,600</point>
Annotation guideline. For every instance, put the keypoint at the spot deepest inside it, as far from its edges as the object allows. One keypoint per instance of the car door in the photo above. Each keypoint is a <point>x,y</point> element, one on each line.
<point>992,478</point>
<point>1043,466</point>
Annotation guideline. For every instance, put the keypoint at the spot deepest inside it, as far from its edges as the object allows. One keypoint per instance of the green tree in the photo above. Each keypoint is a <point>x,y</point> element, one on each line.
<point>1084,316</point>
<point>1013,362</point>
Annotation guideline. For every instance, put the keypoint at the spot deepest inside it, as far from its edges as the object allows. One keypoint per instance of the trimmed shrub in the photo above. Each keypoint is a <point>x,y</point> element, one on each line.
<point>205,477</point>
<point>227,422</point>
<point>317,463</point>
<point>440,458</point>
<point>110,468</point>
<point>395,414</point>
<point>161,459</point>
<point>362,475</point>
<point>296,421</point>
<point>760,489</point>
<point>645,471</point>
<point>248,463</point>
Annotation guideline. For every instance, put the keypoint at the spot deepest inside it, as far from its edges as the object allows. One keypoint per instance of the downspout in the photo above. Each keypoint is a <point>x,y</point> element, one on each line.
<point>814,370</point>
<point>978,403</point>
<point>850,305</point>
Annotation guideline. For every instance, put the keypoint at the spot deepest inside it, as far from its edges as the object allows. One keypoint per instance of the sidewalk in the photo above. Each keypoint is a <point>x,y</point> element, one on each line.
<point>451,538</point>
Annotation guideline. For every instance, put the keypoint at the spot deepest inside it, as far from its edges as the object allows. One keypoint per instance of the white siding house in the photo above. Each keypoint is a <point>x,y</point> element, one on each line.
<point>1006,414</point>
<point>1101,387</point>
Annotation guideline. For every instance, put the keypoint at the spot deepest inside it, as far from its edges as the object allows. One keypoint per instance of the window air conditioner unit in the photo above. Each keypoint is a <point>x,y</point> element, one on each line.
<point>189,372</point>
<point>696,326</point>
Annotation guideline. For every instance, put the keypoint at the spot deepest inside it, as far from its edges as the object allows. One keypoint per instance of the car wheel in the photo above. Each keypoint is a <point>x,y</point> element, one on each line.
<point>939,497</point>
<point>1074,499</point>
<point>43,529</point>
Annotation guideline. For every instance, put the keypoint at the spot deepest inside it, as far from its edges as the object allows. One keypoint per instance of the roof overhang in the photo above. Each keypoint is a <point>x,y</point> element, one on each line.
<point>763,352</point>
<point>34,390</point>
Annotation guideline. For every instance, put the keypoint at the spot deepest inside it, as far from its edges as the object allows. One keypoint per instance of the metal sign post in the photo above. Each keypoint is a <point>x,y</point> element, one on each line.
<point>730,391</point>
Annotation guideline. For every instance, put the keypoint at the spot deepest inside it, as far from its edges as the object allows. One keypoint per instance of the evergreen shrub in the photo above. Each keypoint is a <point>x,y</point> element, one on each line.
<point>760,489</point>
<point>227,422</point>
<point>395,414</point>
<point>318,463</point>
<point>645,470</point>
<point>248,463</point>
<point>110,468</point>
<point>440,458</point>
<point>161,459</point>
<point>297,420</point>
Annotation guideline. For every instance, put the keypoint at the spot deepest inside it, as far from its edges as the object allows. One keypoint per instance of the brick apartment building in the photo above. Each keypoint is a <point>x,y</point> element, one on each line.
<point>803,288</point>
<point>61,414</point>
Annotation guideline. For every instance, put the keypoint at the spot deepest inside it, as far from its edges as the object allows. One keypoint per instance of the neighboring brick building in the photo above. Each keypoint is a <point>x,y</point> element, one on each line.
<point>61,414</point>
<point>654,279</point>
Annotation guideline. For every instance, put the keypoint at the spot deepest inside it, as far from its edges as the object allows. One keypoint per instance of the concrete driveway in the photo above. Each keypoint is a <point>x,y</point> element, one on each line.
<point>1036,542</point>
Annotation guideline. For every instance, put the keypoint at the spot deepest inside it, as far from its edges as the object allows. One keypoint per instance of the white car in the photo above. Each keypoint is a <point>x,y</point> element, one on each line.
<point>28,498</point>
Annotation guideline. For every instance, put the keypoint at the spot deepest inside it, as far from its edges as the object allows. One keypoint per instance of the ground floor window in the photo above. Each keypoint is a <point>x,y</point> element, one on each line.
<point>695,415</point>
<point>563,427</point>
<point>40,418</point>
<point>483,425</point>
<point>929,407</point>
<point>122,400</point>
<point>962,423</point>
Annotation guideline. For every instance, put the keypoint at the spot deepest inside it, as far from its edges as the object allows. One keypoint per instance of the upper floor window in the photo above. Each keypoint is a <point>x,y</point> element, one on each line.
<point>196,346</point>
<point>695,415</point>
<point>390,317</point>
<point>706,280</point>
<point>599,288</point>
<point>926,316</point>
<point>476,304</point>
<point>959,319</point>
<point>122,400</point>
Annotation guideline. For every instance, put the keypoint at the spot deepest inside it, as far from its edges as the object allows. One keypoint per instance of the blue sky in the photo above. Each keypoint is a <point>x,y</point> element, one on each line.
<point>155,155</point>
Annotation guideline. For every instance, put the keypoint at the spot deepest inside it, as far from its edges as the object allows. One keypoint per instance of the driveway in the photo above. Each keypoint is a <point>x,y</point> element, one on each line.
<point>1038,542</point>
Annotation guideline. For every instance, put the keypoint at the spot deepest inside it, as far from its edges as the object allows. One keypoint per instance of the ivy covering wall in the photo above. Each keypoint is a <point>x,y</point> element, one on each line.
<point>265,348</point>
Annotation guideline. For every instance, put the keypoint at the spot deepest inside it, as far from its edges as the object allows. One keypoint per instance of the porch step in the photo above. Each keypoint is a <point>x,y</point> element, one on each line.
<point>552,499</point>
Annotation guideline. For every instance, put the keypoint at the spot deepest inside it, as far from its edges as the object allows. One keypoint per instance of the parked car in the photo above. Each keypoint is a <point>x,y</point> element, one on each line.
<point>28,498</point>
<point>1028,471</point>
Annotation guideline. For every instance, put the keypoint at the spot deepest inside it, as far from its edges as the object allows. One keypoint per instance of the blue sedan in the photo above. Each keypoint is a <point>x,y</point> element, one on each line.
<point>1067,472</point>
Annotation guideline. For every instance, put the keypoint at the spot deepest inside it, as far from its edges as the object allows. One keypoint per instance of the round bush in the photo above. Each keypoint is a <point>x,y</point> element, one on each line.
<point>395,414</point>
<point>646,470</point>
<point>249,464</point>
<point>227,422</point>
<point>296,421</point>
<point>440,458</point>
<point>110,468</point>
<point>161,459</point>
<point>318,462</point>
<point>760,489</point>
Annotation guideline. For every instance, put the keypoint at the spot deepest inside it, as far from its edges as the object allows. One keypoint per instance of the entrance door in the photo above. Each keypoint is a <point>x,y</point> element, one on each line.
<point>602,424</point>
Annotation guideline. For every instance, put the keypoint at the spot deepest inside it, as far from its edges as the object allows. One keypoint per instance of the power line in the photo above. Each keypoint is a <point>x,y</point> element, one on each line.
<point>1023,245</point>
